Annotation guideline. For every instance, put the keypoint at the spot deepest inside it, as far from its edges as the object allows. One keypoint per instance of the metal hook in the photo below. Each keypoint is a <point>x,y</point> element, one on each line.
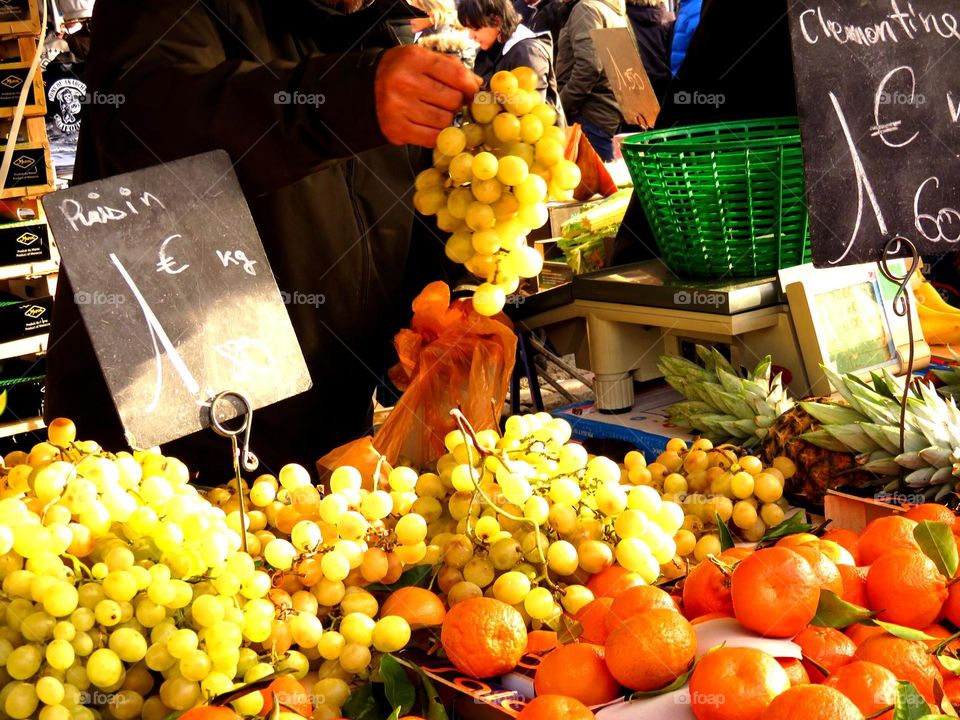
<point>248,460</point>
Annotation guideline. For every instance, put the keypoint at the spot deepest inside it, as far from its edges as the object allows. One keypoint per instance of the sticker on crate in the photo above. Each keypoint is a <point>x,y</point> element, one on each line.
<point>24,243</point>
<point>21,319</point>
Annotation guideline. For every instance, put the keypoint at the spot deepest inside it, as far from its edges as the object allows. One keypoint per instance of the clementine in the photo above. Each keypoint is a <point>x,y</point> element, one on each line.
<point>735,684</point>
<point>951,688</point>
<point>906,588</point>
<point>823,567</point>
<point>854,584</point>
<point>706,589</point>
<point>210,712</point>
<point>554,707</point>
<point>593,618</point>
<point>859,632</point>
<point>951,608</point>
<point>775,592</point>
<point>940,633</point>
<point>290,694</point>
<point>650,650</point>
<point>540,641</point>
<point>795,671</point>
<point>418,606</point>
<point>484,637</point>
<point>577,670</point>
<point>799,539</point>
<point>909,660</point>
<point>847,539</point>
<point>612,581</point>
<point>635,601</point>
<point>827,647</point>
<point>871,687</point>
<point>934,512</point>
<point>812,702</point>
<point>883,535</point>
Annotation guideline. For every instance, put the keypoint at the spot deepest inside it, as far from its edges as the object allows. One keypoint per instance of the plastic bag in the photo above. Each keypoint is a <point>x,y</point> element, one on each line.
<point>595,178</point>
<point>360,454</point>
<point>450,357</point>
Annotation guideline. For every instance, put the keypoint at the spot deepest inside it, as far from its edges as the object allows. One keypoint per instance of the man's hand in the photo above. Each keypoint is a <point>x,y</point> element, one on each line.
<point>418,92</point>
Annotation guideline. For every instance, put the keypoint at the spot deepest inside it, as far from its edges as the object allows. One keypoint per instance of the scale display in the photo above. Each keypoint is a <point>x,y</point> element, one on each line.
<point>855,329</point>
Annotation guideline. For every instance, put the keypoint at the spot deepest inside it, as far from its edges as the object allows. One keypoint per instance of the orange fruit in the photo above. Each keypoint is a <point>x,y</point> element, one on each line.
<point>909,660</point>
<point>484,637</point>
<point>577,670</point>
<point>934,512</point>
<point>795,671</point>
<point>951,608</point>
<point>827,647</point>
<point>951,688</point>
<point>883,535</point>
<point>650,650</point>
<point>210,712</point>
<point>290,693</point>
<point>735,684</point>
<point>823,567</point>
<point>859,632</point>
<point>775,592</point>
<point>940,633</point>
<point>734,554</point>
<point>871,687</point>
<point>812,702</point>
<point>706,589</point>
<point>854,584</point>
<point>555,707</point>
<point>798,540</point>
<point>540,641</point>
<point>418,606</point>
<point>845,538</point>
<point>906,588</point>
<point>612,581</point>
<point>637,600</point>
<point>593,618</point>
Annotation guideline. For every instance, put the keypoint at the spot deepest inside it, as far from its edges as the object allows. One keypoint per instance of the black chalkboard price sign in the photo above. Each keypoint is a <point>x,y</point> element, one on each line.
<point>175,290</point>
<point>878,88</point>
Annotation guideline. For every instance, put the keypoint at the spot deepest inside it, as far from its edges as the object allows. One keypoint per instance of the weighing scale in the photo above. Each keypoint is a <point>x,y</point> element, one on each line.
<point>620,320</point>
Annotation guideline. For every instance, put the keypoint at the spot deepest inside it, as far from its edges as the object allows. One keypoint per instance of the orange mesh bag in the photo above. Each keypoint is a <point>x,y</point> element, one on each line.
<point>595,178</point>
<point>450,357</point>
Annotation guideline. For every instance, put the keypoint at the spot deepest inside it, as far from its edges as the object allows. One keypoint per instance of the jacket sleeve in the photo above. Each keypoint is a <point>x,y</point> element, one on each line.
<point>530,53</point>
<point>188,81</point>
<point>587,68</point>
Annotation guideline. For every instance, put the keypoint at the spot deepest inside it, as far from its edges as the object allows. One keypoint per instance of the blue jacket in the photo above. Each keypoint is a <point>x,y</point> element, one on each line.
<point>688,17</point>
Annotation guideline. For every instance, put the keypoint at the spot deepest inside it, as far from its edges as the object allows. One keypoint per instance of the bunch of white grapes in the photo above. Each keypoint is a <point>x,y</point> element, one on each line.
<point>491,180</point>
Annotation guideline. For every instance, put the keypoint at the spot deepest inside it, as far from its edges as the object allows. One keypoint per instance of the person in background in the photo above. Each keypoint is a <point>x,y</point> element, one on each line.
<point>652,25</point>
<point>584,89</point>
<point>539,15</point>
<point>505,43</point>
<point>328,181</point>
<point>688,19</point>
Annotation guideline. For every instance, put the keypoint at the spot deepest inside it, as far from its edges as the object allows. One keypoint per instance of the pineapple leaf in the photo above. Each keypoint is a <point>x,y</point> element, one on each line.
<point>876,407</point>
<point>882,466</point>
<point>882,388</point>
<point>731,383</point>
<point>736,406</point>
<point>854,437</point>
<point>823,439</point>
<point>943,492</point>
<point>942,476</point>
<point>840,383</point>
<point>938,457</point>
<point>831,414</point>
<point>920,478</point>
<point>762,371</point>
<point>883,436</point>
<point>732,429</point>
<point>910,460</point>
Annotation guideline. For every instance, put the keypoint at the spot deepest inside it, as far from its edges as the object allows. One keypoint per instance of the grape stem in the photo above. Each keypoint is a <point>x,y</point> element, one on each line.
<point>469,434</point>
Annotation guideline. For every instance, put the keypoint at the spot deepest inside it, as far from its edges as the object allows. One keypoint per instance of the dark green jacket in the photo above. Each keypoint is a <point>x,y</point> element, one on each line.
<point>196,76</point>
<point>584,89</point>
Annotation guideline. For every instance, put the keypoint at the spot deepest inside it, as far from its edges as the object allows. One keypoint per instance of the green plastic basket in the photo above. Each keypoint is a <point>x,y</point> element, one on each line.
<point>726,199</point>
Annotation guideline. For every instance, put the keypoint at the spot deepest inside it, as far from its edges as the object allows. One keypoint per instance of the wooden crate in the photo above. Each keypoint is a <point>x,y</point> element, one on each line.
<point>31,172</point>
<point>851,512</point>
<point>20,17</point>
<point>16,57</point>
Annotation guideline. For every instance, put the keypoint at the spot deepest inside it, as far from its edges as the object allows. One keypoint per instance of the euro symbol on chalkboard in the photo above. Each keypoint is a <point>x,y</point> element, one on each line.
<point>166,263</point>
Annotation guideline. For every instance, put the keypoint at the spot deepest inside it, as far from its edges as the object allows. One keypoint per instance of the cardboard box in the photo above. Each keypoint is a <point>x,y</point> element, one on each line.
<point>646,426</point>
<point>24,318</point>
<point>24,242</point>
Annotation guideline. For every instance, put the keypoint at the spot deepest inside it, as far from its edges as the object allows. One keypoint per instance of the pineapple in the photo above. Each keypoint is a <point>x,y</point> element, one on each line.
<point>951,381</point>
<point>853,442</point>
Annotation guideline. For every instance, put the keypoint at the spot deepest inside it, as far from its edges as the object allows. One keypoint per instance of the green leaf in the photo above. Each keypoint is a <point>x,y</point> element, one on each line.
<point>362,704</point>
<point>820,668</point>
<point>950,663</point>
<point>835,612</point>
<point>726,539</point>
<point>936,541</point>
<point>417,576</point>
<point>401,694</point>
<point>796,523</point>
<point>435,708</point>
<point>675,685</point>
<point>909,704</point>
<point>904,633</point>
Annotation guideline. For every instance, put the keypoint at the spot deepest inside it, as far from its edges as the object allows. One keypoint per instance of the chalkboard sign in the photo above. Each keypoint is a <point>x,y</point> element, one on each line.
<point>879,98</point>
<point>176,292</point>
<point>627,77</point>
